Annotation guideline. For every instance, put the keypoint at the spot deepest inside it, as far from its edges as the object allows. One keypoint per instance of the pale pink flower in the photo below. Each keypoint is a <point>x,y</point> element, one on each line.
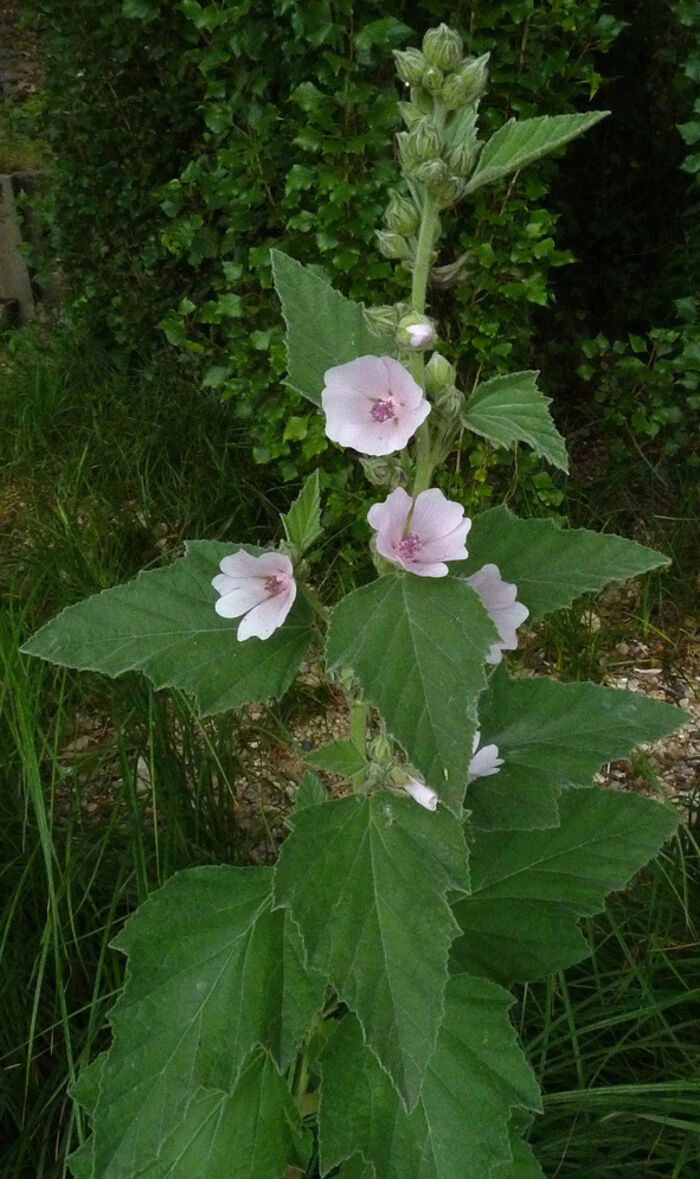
<point>484,762</point>
<point>420,335</point>
<point>262,589</point>
<point>499,598</point>
<point>424,795</point>
<point>372,404</point>
<point>420,536</point>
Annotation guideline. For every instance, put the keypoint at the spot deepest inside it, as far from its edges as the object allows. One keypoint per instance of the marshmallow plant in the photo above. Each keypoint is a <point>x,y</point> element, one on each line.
<point>345,1011</point>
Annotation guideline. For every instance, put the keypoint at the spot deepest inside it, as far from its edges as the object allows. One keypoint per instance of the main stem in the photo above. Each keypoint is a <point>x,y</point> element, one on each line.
<point>421,269</point>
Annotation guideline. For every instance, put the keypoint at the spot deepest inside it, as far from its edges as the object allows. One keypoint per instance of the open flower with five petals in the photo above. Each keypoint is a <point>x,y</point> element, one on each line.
<point>421,534</point>
<point>261,589</point>
<point>372,404</point>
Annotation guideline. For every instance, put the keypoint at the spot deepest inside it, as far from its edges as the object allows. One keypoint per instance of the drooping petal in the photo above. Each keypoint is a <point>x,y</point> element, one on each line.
<point>484,762</point>
<point>424,795</point>
<point>499,598</point>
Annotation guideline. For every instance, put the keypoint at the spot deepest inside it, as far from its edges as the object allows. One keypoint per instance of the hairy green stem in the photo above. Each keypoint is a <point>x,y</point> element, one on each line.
<point>314,600</point>
<point>421,269</point>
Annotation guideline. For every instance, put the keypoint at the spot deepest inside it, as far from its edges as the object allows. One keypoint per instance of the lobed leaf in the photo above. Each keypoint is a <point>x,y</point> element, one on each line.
<point>408,639</point>
<point>164,624</point>
<point>551,565</point>
<point>552,735</point>
<point>510,409</point>
<point>460,1127</point>
<point>302,523</point>
<point>323,327</point>
<point>522,142</point>
<point>365,880</point>
<point>530,887</point>
<point>185,1088</point>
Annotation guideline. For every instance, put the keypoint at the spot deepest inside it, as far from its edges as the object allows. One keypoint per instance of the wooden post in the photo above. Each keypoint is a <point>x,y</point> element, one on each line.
<point>15,287</point>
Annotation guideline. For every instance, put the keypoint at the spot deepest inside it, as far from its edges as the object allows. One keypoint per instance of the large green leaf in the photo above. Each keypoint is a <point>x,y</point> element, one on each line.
<point>511,409</point>
<point>337,757</point>
<point>459,1128</point>
<point>550,565</point>
<point>417,646</point>
<point>323,327</point>
<point>519,143</point>
<point>164,624</point>
<point>365,880</point>
<point>212,974</point>
<point>529,887</point>
<point>552,735</point>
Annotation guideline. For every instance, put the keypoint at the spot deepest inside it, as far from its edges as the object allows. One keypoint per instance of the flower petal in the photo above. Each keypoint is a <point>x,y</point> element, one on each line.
<point>265,618</point>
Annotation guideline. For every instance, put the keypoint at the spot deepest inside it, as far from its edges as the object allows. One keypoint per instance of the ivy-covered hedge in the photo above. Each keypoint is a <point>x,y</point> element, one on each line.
<point>189,137</point>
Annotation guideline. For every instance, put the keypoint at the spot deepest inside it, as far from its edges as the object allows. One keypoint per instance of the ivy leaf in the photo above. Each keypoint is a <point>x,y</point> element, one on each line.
<point>459,1128</point>
<point>551,735</point>
<point>212,973</point>
<point>337,757</point>
<point>511,409</point>
<point>164,624</point>
<point>550,565</point>
<point>302,523</point>
<point>529,887</point>
<point>406,638</point>
<point>522,142</point>
<point>323,327</point>
<point>365,880</point>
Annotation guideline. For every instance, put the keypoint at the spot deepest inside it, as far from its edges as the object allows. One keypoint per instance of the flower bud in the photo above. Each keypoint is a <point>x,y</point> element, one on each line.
<point>460,160</point>
<point>432,174</point>
<point>433,80</point>
<point>454,92</point>
<point>421,99</point>
<point>415,332</point>
<point>383,318</point>
<point>410,65</point>
<point>438,373</point>
<point>401,215</point>
<point>475,72</point>
<point>449,401</point>
<point>426,141</point>
<point>449,192</point>
<point>410,113</point>
<point>442,47</point>
<point>393,245</point>
<point>379,471</point>
<point>381,750</point>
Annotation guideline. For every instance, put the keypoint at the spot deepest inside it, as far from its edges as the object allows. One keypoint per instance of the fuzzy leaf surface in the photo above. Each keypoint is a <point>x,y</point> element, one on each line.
<point>324,328</point>
<point>552,735</point>
<point>459,1128</point>
<point>550,565</point>
<point>417,646</point>
<point>530,887</point>
<point>213,973</point>
<point>302,523</point>
<point>365,879</point>
<point>164,624</point>
<point>510,409</point>
<point>522,142</point>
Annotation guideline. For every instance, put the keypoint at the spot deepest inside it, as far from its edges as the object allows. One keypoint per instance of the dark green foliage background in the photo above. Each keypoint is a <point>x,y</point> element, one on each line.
<point>189,137</point>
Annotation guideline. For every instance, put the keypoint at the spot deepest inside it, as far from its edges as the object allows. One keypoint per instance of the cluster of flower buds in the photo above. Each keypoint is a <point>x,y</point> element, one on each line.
<point>440,386</point>
<point>439,147</point>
